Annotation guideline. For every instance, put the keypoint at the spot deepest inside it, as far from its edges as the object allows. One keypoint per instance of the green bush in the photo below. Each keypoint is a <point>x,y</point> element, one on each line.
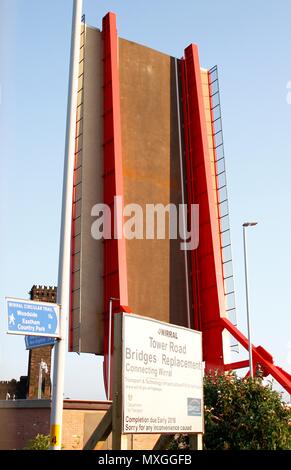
<point>244,414</point>
<point>39,442</point>
<point>241,414</point>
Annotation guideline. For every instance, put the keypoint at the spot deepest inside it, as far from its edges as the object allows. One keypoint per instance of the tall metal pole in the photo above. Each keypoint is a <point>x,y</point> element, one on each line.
<point>245,225</point>
<point>63,296</point>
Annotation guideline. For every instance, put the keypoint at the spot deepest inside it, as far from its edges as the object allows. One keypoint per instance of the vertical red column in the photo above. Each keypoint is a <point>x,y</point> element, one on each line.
<point>207,278</point>
<point>115,270</point>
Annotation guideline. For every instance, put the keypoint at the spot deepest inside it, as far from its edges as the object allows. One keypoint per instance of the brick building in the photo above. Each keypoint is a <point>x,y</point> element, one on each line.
<point>40,294</point>
<point>13,389</point>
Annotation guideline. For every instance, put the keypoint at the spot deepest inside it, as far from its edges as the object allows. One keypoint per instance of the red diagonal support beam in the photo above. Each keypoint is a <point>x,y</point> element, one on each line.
<point>277,373</point>
<point>236,365</point>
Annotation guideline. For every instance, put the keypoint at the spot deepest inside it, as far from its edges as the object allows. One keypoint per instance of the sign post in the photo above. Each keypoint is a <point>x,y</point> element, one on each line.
<point>29,318</point>
<point>158,386</point>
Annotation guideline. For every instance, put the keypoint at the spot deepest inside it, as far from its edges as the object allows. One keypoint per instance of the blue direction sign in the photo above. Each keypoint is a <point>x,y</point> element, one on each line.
<point>34,342</point>
<point>32,318</point>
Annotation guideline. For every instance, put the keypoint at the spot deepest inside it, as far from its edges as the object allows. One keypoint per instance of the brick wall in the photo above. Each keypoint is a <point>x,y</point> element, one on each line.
<point>22,420</point>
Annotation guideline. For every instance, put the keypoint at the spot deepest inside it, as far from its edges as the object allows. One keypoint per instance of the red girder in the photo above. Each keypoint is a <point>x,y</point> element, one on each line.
<point>206,262</point>
<point>260,356</point>
<point>115,270</point>
<point>236,365</point>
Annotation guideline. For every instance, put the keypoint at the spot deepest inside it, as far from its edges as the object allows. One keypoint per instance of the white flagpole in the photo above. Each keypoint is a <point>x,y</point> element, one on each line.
<point>63,297</point>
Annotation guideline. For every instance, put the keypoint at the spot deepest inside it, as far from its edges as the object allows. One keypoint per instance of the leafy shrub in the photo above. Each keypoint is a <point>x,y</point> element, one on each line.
<point>244,414</point>
<point>39,442</point>
<point>241,414</point>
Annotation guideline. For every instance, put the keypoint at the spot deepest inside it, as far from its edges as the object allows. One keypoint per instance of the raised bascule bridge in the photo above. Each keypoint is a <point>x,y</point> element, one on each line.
<point>149,131</point>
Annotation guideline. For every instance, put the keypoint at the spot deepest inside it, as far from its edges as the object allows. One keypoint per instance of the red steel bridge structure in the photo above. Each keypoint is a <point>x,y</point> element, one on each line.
<point>207,277</point>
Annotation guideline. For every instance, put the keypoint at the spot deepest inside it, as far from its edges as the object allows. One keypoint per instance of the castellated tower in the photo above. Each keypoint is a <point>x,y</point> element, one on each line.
<point>40,294</point>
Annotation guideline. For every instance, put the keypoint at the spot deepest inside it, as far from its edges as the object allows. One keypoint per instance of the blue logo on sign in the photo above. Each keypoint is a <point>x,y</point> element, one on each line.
<point>194,406</point>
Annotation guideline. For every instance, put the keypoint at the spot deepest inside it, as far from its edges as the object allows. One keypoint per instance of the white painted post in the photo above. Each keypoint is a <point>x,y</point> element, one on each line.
<point>63,297</point>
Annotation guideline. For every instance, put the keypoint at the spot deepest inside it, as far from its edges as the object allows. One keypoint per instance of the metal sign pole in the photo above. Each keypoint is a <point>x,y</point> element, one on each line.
<point>120,441</point>
<point>110,347</point>
<point>65,240</point>
<point>109,350</point>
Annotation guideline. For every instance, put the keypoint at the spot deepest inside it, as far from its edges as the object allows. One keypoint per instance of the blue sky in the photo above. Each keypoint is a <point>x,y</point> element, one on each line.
<point>251,44</point>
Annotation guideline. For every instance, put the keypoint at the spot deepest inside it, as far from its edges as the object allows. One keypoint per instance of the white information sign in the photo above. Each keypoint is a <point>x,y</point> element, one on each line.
<point>162,378</point>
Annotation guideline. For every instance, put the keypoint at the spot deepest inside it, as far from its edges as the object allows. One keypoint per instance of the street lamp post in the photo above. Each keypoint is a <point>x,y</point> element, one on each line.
<point>63,297</point>
<point>111,300</point>
<point>245,225</point>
